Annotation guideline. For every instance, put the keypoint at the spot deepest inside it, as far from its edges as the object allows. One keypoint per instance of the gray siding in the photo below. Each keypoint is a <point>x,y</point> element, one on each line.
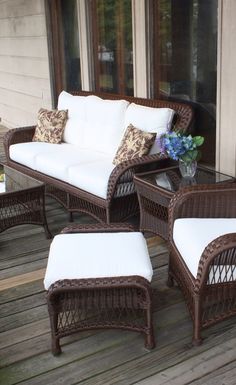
<point>24,66</point>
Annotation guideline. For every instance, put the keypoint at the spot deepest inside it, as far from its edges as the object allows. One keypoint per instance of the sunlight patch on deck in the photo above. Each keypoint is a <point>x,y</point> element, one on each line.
<point>21,279</point>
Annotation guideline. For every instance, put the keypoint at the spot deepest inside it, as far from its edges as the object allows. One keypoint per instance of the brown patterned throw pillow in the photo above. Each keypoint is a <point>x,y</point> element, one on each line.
<point>50,125</point>
<point>135,143</point>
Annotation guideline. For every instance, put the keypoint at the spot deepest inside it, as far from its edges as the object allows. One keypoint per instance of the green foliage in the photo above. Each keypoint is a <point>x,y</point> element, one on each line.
<point>178,146</point>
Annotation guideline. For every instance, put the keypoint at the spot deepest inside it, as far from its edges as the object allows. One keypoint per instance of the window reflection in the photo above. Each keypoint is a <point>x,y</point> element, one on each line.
<point>70,38</point>
<point>112,42</point>
<point>183,56</point>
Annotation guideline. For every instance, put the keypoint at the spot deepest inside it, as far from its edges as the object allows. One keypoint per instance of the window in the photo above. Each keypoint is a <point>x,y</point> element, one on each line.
<point>63,22</point>
<point>183,60</point>
<point>112,45</point>
<point>156,48</point>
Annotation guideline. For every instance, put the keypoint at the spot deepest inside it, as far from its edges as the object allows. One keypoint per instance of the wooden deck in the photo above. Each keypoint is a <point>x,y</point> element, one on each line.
<point>99,357</point>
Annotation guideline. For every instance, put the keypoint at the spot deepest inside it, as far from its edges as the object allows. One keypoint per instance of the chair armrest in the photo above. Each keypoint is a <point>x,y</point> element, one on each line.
<point>203,201</point>
<point>17,135</point>
<point>131,167</point>
<point>217,264</point>
<point>97,228</point>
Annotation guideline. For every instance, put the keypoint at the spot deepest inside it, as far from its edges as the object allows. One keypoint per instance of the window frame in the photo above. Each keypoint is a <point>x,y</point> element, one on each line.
<point>87,66</point>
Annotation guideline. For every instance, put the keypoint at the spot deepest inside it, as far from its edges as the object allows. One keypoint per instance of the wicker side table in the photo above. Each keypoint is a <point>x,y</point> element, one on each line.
<point>81,302</point>
<point>156,188</point>
<point>22,200</point>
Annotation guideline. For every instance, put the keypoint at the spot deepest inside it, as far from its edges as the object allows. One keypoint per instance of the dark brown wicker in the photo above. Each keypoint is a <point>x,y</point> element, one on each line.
<point>121,202</point>
<point>102,303</point>
<point>23,202</point>
<point>209,300</point>
<point>154,199</point>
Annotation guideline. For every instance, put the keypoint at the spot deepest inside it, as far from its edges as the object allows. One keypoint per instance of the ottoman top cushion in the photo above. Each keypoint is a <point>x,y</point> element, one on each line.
<point>97,255</point>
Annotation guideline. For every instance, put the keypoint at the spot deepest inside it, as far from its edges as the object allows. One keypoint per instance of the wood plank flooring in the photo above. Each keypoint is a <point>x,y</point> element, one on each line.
<point>99,357</point>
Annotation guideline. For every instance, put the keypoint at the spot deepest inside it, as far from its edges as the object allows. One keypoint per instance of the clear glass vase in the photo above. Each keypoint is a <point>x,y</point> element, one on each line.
<point>188,169</point>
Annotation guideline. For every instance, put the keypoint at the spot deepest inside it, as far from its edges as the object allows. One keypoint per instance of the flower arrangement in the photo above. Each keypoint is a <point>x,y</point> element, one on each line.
<point>181,147</point>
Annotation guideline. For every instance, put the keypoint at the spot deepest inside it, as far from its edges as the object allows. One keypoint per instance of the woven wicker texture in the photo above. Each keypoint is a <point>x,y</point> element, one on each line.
<point>154,199</point>
<point>22,202</point>
<point>112,302</point>
<point>117,206</point>
<point>210,297</point>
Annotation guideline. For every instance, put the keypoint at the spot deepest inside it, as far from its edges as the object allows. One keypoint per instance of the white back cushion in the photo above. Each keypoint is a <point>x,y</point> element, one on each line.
<point>104,123</point>
<point>98,255</point>
<point>74,129</point>
<point>150,119</point>
<point>93,123</point>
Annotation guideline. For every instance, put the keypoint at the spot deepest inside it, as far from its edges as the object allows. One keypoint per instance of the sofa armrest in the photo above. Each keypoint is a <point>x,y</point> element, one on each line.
<point>203,201</point>
<point>97,228</point>
<point>131,167</point>
<point>17,135</point>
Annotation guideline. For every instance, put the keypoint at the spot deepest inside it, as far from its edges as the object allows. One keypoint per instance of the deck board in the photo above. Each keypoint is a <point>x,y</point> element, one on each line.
<point>99,357</point>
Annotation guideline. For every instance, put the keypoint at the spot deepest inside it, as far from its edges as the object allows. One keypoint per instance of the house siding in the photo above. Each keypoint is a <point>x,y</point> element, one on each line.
<point>24,62</point>
<point>226,82</point>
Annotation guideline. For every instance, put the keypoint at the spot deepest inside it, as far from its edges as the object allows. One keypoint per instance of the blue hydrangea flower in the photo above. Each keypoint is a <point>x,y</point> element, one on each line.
<point>178,146</point>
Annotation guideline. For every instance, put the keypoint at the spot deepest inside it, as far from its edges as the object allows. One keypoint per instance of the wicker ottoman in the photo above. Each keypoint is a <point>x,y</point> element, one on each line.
<point>99,277</point>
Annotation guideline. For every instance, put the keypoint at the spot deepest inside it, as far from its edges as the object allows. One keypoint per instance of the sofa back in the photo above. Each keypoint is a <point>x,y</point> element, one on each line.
<point>98,121</point>
<point>183,112</point>
<point>93,123</point>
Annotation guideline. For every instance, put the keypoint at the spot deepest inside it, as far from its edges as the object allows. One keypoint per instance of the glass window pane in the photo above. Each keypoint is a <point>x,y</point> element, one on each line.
<point>184,50</point>
<point>70,52</point>
<point>112,42</point>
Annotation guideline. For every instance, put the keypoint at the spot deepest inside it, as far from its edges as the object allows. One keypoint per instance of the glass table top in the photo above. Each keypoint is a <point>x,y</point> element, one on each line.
<point>171,179</point>
<point>12,180</point>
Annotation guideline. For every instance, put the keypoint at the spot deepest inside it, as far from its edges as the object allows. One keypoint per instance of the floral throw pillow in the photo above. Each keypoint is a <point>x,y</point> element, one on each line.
<point>135,143</point>
<point>50,125</point>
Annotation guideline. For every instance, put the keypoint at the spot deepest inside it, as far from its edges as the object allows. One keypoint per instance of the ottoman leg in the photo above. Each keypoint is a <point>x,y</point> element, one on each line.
<point>53,315</point>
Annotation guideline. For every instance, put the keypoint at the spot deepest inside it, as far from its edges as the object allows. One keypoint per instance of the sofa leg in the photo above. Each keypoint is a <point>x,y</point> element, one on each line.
<point>71,219</point>
<point>150,340</point>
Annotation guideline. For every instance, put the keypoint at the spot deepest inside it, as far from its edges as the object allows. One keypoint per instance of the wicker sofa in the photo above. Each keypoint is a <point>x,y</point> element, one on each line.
<point>96,186</point>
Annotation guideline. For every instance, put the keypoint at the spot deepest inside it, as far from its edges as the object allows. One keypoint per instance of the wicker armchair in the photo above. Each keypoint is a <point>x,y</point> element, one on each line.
<point>202,237</point>
<point>121,201</point>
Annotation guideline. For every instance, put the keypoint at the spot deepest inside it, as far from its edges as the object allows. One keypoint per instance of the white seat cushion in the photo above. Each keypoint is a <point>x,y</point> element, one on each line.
<point>192,235</point>
<point>97,255</point>
<point>150,119</point>
<point>88,170</point>
<point>58,164</point>
<point>25,153</point>
<point>92,177</point>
